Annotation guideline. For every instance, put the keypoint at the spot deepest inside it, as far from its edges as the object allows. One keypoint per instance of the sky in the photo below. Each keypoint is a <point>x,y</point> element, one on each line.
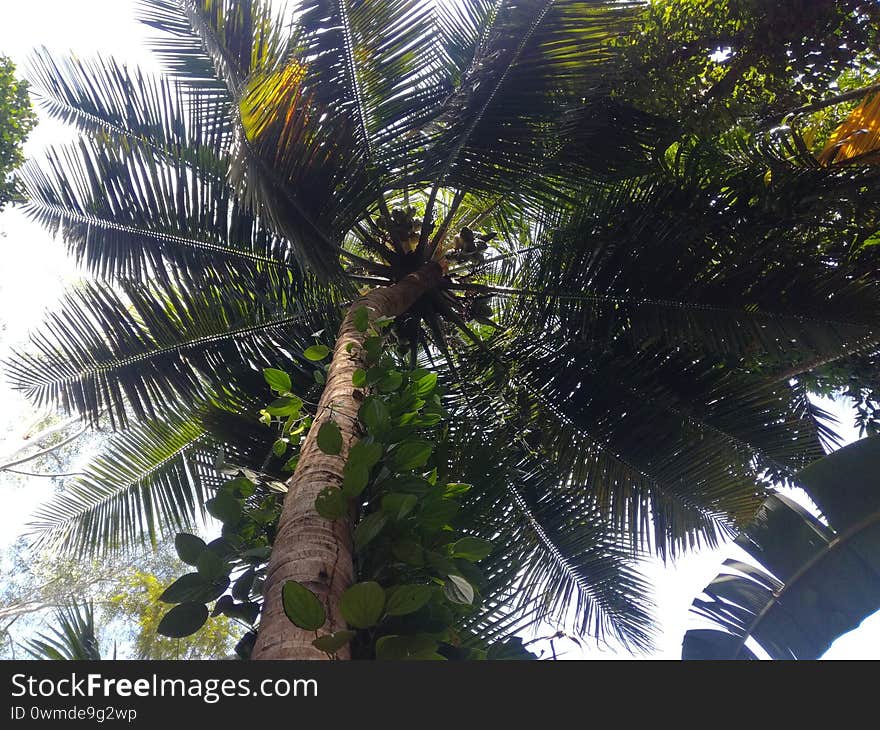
<point>34,270</point>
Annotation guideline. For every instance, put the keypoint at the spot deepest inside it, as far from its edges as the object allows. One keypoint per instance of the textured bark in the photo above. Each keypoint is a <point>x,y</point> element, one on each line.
<point>308,548</point>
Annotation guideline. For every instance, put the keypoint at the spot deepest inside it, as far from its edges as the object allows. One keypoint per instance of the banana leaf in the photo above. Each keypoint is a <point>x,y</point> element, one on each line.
<point>813,580</point>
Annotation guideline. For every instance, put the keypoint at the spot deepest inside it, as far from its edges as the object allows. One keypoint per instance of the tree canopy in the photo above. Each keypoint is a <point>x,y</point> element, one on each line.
<point>17,118</point>
<point>626,281</point>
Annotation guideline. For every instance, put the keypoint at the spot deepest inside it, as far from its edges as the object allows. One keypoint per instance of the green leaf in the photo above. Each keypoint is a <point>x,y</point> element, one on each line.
<point>194,587</point>
<point>247,612</point>
<point>330,438</point>
<point>407,599</point>
<point>373,346</point>
<point>211,566</point>
<point>391,382</point>
<point>429,419</point>
<point>222,605</point>
<point>456,489</point>
<point>258,553</point>
<point>359,378</point>
<point>368,528</point>
<point>361,319</point>
<point>223,547</point>
<point>436,514</point>
<point>411,455</point>
<point>375,374</point>
<point>471,548</point>
<point>512,648</point>
<point>362,604</point>
<point>375,416</point>
<point>239,488</point>
<point>423,387</point>
<point>316,353</point>
<point>279,447</point>
<point>242,587</point>
<point>398,506</point>
<point>407,483</point>
<point>289,405</point>
<point>278,380</point>
<point>440,564</point>
<point>355,478</point>
<point>331,643</point>
<point>302,606</point>
<point>409,552</point>
<point>183,620</point>
<point>331,503</point>
<point>366,453</point>
<point>458,590</point>
<point>396,648</point>
<point>188,547</point>
<point>319,377</point>
<point>225,508</point>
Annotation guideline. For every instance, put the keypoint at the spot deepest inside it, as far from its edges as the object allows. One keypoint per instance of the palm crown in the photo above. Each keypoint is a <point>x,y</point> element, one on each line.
<point>623,319</point>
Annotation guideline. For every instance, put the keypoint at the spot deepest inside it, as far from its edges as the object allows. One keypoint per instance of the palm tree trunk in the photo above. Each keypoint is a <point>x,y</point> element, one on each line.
<point>308,548</point>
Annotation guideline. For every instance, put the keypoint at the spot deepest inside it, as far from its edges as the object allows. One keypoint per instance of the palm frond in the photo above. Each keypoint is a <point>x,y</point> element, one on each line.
<point>104,98</point>
<point>536,63</point>
<point>151,348</point>
<point>675,451</point>
<point>72,638</point>
<point>775,290</point>
<point>379,65</point>
<point>461,23</point>
<point>127,213</point>
<point>301,167</point>
<point>152,479</point>
<point>706,328</point>
<point>857,139</point>
<point>213,45</point>
<point>556,558</point>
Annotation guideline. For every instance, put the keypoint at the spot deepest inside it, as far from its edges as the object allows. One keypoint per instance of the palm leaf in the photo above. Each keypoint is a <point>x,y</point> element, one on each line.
<point>104,98</point>
<point>555,557</point>
<point>150,348</point>
<point>857,139</point>
<point>379,65</point>
<point>534,63</point>
<point>127,213</point>
<point>72,638</point>
<point>152,479</point>
<point>213,45</point>
<point>674,451</point>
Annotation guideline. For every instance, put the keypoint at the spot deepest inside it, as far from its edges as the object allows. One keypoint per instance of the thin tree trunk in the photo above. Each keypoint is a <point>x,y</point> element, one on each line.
<point>308,548</point>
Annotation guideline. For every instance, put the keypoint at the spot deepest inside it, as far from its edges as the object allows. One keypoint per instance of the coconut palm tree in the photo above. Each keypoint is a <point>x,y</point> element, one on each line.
<point>621,314</point>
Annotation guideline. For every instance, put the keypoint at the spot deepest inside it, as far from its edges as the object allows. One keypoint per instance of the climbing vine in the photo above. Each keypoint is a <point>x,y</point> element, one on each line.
<point>418,573</point>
